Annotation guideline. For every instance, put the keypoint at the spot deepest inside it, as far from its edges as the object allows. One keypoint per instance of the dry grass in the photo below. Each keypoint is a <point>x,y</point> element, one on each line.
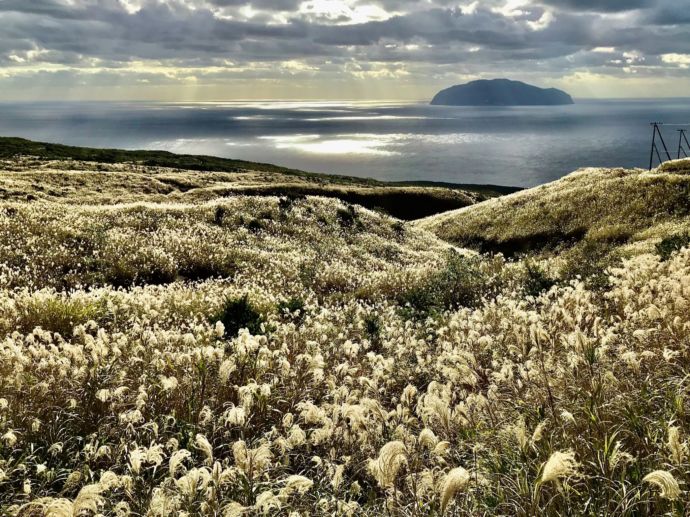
<point>75,182</point>
<point>615,206</point>
<point>385,372</point>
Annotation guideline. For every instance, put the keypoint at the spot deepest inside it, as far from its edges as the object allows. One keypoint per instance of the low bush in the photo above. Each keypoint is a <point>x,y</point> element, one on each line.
<point>461,282</point>
<point>286,203</point>
<point>292,309</point>
<point>219,215</point>
<point>670,245</point>
<point>591,261</point>
<point>255,226</point>
<point>347,217</point>
<point>536,280</point>
<point>237,314</point>
<point>59,314</point>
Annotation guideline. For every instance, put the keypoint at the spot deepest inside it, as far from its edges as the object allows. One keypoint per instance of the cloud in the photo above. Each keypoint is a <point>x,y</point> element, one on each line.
<point>607,6</point>
<point>331,42</point>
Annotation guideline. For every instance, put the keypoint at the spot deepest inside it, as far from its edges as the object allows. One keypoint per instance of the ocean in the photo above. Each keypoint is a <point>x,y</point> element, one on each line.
<point>516,146</point>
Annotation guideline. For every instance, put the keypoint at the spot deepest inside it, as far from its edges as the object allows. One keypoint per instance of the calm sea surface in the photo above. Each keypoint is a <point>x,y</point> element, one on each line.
<point>388,141</point>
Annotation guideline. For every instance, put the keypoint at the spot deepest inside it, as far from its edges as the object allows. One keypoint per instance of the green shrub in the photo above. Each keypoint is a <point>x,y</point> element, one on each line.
<point>590,260</point>
<point>124,274</point>
<point>60,314</point>
<point>399,229</point>
<point>669,245</point>
<point>255,226</point>
<point>536,281</point>
<point>372,326</point>
<point>292,309</point>
<point>286,203</point>
<point>462,282</point>
<point>347,217</point>
<point>239,313</point>
<point>219,215</point>
<point>203,269</point>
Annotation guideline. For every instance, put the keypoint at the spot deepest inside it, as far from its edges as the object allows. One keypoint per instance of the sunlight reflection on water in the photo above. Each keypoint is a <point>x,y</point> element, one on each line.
<point>396,141</point>
<point>341,144</point>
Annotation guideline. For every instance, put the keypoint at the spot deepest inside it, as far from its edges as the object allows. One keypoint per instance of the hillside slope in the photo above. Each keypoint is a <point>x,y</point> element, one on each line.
<point>623,207</point>
<point>165,350</point>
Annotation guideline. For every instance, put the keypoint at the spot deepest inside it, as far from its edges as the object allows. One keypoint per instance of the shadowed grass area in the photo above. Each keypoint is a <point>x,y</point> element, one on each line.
<point>408,203</point>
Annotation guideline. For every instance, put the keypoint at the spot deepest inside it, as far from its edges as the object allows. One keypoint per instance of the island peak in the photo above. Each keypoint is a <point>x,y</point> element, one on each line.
<point>500,92</point>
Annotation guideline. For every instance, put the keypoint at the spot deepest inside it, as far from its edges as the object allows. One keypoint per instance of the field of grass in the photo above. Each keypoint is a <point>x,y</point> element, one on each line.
<point>168,174</point>
<point>588,220</point>
<point>172,343</point>
<point>615,205</point>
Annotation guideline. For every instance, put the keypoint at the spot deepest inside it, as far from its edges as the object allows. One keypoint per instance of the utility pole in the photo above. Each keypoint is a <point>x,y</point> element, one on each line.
<point>681,137</point>
<point>656,132</point>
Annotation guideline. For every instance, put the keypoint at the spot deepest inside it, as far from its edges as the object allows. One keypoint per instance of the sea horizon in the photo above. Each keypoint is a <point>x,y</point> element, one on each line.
<point>385,140</point>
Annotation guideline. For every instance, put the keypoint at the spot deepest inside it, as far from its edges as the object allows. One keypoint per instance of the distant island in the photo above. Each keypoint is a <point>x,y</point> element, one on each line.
<point>500,92</point>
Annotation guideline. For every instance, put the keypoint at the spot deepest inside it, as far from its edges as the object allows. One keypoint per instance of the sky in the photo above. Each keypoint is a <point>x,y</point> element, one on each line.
<point>216,50</point>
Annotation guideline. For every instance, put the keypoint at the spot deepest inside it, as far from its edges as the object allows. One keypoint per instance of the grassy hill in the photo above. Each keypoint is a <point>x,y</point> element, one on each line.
<point>591,211</point>
<point>167,174</point>
<point>171,346</point>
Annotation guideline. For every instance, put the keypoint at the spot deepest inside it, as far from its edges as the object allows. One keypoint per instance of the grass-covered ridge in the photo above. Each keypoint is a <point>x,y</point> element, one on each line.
<point>167,349</point>
<point>599,206</point>
<point>12,147</point>
<point>167,173</point>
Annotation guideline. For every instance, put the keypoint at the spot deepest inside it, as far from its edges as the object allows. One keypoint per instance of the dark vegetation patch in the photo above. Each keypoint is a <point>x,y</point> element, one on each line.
<point>347,217</point>
<point>197,270</point>
<point>525,244</point>
<point>486,190</point>
<point>373,328</point>
<point>672,244</point>
<point>123,274</point>
<point>591,260</point>
<point>461,282</point>
<point>237,314</point>
<point>292,309</point>
<point>537,280</point>
<point>588,256</point>
<point>286,203</point>
<point>399,230</point>
<point>219,215</point>
<point>255,226</point>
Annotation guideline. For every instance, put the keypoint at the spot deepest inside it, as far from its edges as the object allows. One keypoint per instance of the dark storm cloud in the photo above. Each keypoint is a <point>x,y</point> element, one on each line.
<point>669,13</point>
<point>43,7</point>
<point>271,5</point>
<point>606,6</point>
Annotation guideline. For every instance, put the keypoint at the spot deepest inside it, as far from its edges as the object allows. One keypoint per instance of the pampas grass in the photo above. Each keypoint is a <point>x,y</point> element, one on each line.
<point>383,393</point>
